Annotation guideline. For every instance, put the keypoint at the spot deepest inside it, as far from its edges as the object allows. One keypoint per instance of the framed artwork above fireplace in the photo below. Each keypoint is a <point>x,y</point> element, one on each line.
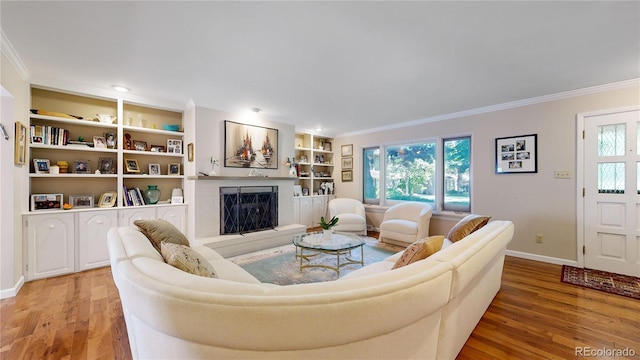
<point>250,146</point>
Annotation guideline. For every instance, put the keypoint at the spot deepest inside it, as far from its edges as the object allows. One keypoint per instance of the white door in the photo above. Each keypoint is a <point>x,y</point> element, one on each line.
<point>92,238</point>
<point>611,194</point>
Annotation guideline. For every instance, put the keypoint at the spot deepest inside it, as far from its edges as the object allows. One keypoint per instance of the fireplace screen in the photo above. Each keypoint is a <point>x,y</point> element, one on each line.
<point>247,209</point>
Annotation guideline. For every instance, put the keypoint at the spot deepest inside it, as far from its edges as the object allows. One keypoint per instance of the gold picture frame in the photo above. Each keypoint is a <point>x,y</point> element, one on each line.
<point>108,199</point>
<point>20,151</point>
<point>131,165</point>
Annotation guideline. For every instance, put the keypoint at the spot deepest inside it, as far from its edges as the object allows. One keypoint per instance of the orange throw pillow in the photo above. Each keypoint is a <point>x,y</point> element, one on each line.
<point>419,250</point>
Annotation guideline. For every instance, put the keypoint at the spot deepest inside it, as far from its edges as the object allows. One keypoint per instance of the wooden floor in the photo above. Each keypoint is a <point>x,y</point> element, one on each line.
<point>534,316</point>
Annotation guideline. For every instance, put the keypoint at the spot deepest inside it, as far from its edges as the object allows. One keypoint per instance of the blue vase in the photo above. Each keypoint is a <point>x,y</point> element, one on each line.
<point>152,194</point>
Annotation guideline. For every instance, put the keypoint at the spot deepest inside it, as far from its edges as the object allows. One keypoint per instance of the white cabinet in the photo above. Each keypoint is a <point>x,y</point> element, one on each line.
<point>128,216</point>
<point>92,238</point>
<point>176,215</point>
<point>309,209</point>
<point>50,242</point>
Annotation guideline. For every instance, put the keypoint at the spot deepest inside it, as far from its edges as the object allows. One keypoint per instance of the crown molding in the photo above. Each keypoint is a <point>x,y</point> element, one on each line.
<point>14,58</point>
<point>504,106</point>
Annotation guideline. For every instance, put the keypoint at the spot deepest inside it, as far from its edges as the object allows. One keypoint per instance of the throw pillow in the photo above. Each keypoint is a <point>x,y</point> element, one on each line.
<point>158,231</point>
<point>186,259</point>
<point>419,250</point>
<point>466,226</point>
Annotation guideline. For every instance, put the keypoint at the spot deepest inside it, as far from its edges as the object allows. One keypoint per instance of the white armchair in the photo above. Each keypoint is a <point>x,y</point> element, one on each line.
<point>405,223</point>
<point>351,215</point>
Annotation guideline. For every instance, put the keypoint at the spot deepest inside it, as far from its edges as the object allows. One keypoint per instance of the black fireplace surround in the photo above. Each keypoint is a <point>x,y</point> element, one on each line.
<point>245,209</point>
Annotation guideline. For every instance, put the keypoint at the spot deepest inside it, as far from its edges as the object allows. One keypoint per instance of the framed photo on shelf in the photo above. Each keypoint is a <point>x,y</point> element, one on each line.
<point>41,166</point>
<point>81,166</point>
<point>132,165</point>
<point>327,146</point>
<point>107,199</point>
<point>140,145</point>
<point>190,151</point>
<point>156,148</point>
<point>174,146</point>
<point>20,149</point>
<point>99,142</point>
<point>111,140</point>
<point>81,201</point>
<point>46,202</point>
<point>154,169</point>
<point>347,163</point>
<point>105,165</point>
<point>174,169</point>
<point>517,154</point>
<point>305,191</point>
<point>347,175</point>
<point>346,150</point>
<point>297,190</point>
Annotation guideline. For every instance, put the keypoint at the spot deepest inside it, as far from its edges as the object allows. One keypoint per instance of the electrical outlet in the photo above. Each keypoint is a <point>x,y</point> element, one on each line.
<point>562,174</point>
<point>539,238</point>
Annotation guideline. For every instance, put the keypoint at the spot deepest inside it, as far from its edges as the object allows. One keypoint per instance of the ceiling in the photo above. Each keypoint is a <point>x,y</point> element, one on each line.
<point>344,66</point>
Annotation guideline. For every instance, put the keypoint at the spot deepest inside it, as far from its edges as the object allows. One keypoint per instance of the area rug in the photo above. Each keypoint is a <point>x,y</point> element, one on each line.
<point>280,266</point>
<point>602,280</point>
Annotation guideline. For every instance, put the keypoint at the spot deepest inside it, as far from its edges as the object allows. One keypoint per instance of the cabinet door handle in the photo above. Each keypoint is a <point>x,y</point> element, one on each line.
<point>52,226</point>
<point>99,221</point>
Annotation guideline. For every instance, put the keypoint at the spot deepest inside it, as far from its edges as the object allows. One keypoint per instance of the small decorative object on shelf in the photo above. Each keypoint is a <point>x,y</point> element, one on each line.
<point>326,226</point>
<point>214,163</point>
<point>152,194</point>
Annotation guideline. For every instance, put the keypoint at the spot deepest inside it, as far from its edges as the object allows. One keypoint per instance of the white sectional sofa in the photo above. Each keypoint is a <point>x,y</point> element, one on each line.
<point>425,310</point>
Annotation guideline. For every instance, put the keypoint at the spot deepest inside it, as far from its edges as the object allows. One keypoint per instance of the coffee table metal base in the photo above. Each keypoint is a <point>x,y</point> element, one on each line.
<point>337,253</point>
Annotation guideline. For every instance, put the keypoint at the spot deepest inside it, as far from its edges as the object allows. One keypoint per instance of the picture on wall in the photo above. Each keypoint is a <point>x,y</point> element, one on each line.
<point>517,154</point>
<point>250,146</point>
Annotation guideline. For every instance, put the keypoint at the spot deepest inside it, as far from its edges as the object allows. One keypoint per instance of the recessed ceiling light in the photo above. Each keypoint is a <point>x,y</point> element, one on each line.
<point>120,88</point>
<point>256,110</point>
<point>318,129</point>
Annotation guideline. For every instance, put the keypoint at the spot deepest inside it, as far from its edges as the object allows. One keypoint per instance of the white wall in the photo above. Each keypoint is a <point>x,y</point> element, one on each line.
<point>536,203</point>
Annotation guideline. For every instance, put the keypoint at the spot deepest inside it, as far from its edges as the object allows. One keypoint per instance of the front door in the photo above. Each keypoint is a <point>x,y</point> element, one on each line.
<point>612,192</point>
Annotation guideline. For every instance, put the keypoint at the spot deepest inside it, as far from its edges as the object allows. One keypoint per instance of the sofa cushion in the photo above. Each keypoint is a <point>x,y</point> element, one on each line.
<point>400,226</point>
<point>419,250</point>
<point>186,259</point>
<point>466,226</point>
<point>160,230</point>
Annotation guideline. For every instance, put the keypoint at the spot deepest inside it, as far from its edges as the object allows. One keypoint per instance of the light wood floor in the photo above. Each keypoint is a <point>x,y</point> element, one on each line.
<point>534,316</point>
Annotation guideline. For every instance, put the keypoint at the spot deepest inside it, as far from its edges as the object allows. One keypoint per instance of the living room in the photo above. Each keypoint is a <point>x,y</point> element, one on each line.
<point>537,203</point>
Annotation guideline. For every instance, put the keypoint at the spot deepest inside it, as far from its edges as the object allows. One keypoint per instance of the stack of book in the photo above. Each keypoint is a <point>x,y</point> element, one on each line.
<point>133,197</point>
<point>49,135</point>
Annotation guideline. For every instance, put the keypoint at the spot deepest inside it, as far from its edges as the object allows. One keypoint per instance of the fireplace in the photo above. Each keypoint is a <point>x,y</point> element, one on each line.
<point>245,209</point>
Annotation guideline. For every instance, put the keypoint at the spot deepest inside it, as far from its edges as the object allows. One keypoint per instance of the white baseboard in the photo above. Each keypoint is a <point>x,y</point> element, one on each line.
<point>541,258</point>
<point>11,292</point>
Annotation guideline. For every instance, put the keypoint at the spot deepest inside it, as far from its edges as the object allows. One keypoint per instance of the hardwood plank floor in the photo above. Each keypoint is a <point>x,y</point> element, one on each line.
<point>534,316</point>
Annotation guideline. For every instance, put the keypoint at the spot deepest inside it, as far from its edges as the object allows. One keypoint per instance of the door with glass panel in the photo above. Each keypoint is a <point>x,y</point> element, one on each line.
<point>612,192</point>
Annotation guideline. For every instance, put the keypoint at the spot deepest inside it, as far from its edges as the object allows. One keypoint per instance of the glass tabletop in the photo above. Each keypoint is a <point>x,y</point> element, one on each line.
<point>338,241</point>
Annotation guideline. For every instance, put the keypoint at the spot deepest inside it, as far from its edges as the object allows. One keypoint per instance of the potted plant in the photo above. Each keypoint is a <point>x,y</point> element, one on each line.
<point>327,225</point>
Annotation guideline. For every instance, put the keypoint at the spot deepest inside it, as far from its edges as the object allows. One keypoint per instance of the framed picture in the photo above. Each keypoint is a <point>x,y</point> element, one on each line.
<point>154,169</point>
<point>156,148</point>
<point>250,146</point>
<point>190,151</point>
<point>81,201</point>
<point>174,169</point>
<point>99,142</point>
<point>107,199</point>
<point>140,145</point>
<point>46,202</point>
<point>41,166</point>
<point>174,146</point>
<point>517,154</point>
<point>347,176</point>
<point>132,165</point>
<point>111,140</point>
<point>347,163</point>
<point>346,150</point>
<point>305,191</point>
<point>105,165</point>
<point>20,149</point>
<point>81,166</point>
<point>297,190</point>
<point>327,146</point>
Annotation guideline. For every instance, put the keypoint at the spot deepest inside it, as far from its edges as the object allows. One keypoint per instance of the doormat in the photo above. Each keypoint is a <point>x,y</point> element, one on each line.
<point>601,280</point>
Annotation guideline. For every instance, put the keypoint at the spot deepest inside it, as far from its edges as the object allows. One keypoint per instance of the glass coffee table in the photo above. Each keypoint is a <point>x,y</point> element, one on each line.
<point>339,244</point>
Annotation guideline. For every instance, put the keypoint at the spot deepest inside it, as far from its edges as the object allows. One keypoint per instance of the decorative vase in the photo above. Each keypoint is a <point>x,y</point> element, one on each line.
<point>152,194</point>
<point>326,234</point>
<point>293,172</point>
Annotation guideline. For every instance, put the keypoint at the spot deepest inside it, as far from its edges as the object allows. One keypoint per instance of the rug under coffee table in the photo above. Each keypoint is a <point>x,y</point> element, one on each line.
<point>338,244</point>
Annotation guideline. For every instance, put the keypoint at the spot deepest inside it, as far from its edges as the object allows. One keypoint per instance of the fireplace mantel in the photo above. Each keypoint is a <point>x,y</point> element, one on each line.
<point>260,178</point>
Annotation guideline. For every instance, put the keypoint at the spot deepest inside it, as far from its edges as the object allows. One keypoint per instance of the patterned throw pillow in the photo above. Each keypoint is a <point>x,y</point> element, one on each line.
<point>186,259</point>
<point>466,226</point>
<point>419,250</point>
<point>158,231</point>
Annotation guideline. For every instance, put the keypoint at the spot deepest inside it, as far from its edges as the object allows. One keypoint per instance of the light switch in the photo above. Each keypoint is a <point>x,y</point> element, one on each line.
<point>562,174</point>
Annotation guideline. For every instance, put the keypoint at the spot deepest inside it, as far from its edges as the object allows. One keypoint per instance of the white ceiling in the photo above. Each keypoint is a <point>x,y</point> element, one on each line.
<point>345,66</point>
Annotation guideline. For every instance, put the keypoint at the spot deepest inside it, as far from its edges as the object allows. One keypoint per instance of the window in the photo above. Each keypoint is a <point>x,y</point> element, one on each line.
<point>435,171</point>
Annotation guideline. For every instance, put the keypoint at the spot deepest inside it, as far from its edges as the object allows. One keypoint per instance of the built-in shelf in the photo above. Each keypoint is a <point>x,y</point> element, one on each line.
<point>241,178</point>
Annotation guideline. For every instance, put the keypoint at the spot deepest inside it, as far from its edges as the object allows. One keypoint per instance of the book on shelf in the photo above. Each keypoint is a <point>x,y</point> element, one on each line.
<point>48,135</point>
<point>132,197</point>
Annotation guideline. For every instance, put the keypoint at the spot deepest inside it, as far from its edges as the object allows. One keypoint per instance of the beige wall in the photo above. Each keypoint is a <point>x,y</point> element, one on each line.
<point>536,203</point>
<point>13,200</point>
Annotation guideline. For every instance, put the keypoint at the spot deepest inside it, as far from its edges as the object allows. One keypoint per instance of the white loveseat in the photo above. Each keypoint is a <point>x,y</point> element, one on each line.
<point>425,310</point>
